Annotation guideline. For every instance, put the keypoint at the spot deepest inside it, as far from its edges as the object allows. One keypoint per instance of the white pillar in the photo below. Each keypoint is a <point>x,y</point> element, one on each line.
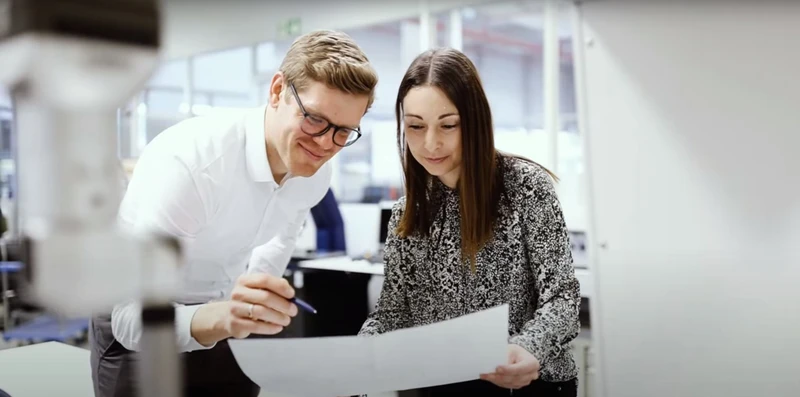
<point>409,42</point>
<point>456,30</point>
<point>139,125</point>
<point>255,81</point>
<point>427,27</point>
<point>551,64</point>
<point>188,88</point>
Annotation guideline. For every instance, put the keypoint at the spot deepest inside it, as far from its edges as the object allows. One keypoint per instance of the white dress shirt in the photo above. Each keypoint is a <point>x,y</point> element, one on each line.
<point>207,181</point>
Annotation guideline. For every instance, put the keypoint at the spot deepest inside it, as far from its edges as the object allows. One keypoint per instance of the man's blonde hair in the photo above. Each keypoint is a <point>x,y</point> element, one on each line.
<point>332,58</point>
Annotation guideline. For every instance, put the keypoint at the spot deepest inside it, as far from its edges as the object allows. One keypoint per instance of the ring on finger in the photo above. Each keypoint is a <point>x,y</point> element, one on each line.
<point>250,310</point>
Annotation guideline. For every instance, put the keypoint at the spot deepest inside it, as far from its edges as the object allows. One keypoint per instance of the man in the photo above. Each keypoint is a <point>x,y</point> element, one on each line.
<point>236,190</point>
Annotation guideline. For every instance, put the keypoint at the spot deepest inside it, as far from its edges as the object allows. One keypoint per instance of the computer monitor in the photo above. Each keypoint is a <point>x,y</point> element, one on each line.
<point>386,214</point>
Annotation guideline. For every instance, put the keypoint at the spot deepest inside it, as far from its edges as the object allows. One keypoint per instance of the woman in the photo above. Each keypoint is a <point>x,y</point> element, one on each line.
<point>475,230</point>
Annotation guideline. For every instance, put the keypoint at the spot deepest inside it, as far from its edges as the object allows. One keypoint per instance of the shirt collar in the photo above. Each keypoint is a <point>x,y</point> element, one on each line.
<point>256,146</point>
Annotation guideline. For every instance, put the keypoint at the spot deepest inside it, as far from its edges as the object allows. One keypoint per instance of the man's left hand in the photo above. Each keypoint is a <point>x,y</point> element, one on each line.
<point>521,370</point>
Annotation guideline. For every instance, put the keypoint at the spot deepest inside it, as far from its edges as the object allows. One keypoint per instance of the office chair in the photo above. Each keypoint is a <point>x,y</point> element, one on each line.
<point>330,225</point>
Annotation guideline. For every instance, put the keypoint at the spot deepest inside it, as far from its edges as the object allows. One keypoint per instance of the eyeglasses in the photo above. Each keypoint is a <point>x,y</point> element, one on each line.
<point>317,126</point>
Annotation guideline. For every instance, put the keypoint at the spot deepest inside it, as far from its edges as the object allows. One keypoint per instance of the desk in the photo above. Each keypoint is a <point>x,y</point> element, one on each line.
<point>46,369</point>
<point>345,264</point>
<point>338,288</point>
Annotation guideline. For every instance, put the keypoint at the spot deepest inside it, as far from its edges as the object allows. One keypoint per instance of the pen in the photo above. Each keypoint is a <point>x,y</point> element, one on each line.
<point>304,305</point>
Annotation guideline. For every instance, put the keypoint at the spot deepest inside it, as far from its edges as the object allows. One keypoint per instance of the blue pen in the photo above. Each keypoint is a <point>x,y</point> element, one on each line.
<point>304,305</point>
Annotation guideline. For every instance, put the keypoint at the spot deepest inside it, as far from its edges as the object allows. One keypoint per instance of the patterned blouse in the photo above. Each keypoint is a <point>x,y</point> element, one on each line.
<point>527,264</point>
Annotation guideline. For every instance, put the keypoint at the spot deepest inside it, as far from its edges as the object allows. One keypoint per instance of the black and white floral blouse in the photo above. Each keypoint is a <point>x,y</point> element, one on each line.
<point>528,265</point>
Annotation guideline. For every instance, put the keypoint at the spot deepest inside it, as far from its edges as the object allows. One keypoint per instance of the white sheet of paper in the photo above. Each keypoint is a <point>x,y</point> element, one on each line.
<point>450,351</point>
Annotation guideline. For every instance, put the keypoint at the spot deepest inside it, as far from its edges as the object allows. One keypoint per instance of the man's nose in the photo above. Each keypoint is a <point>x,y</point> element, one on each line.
<point>324,141</point>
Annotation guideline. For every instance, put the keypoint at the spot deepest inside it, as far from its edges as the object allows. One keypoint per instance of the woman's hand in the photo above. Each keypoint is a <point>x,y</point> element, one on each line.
<point>521,370</point>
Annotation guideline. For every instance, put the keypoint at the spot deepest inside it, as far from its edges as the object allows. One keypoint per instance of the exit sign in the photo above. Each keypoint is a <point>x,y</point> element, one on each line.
<point>289,28</point>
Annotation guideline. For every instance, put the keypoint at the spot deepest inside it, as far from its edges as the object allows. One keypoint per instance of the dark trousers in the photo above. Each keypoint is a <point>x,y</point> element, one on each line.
<point>212,372</point>
<point>483,388</point>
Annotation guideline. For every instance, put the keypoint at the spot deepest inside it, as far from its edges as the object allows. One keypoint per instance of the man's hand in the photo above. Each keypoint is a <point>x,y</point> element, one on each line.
<point>521,370</point>
<point>259,305</point>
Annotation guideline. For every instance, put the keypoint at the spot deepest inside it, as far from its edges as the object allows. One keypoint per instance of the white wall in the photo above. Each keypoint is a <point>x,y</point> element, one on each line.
<point>693,133</point>
<point>5,98</point>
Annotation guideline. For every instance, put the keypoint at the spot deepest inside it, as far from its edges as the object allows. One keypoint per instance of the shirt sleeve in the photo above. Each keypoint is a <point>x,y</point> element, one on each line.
<point>162,197</point>
<point>392,310</point>
<point>273,257</point>
<point>126,325</point>
<point>555,322</point>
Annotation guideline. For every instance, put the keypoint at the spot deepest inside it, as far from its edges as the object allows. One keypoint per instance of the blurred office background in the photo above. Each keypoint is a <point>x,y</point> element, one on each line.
<point>713,61</point>
<point>505,39</point>
<point>526,68</point>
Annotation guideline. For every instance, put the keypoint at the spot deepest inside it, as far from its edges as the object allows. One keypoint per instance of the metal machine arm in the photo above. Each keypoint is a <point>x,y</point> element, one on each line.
<point>70,64</point>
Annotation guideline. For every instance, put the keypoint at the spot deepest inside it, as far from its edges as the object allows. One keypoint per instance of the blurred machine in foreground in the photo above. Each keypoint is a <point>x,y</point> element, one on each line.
<point>70,64</point>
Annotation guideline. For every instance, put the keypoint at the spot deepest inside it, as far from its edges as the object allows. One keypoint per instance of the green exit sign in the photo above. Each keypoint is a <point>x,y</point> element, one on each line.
<point>289,28</point>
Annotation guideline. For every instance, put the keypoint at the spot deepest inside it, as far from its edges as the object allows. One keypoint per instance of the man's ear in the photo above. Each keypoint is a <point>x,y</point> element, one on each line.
<point>276,89</point>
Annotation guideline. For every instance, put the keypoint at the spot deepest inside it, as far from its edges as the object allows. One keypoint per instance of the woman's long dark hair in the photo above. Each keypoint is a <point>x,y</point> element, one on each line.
<point>480,184</point>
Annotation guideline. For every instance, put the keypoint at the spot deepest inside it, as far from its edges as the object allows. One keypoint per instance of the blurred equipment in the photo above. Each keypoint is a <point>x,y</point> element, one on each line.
<point>69,65</point>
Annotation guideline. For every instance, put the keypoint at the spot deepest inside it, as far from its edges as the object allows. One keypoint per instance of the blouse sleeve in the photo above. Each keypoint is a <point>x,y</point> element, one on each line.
<point>555,322</point>
<point>392,310</point>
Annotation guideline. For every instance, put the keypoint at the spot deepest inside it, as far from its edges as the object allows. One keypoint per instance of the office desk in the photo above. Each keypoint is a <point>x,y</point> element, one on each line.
<point>337,288</point>
<point>345,264</point>
<point>46,369</point>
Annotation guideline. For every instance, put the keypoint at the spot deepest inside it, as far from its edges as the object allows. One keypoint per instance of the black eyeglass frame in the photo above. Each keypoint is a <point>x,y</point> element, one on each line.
<point>328,127</point>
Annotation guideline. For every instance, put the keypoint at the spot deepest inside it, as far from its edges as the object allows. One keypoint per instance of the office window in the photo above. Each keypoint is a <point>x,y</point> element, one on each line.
<point>369,170</point>
<point>506,41</point>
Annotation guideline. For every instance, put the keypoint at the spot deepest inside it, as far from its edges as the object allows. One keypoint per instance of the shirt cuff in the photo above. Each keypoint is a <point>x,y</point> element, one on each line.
<point>183,328</point>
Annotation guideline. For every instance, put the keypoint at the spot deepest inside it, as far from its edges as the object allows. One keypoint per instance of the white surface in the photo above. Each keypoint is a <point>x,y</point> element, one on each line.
<point>345,264</point>
<point>692,128</point>
<point>5,97</point>
<point>399,360</point>
<point>385,160</point>
<point>46,369</point>
<point>361,227</point>
<point>584,277</point>
<point>307,239</point>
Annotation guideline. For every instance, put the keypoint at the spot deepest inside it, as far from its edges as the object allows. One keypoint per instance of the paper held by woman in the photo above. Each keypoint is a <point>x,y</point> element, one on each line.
<point>451,351</point>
